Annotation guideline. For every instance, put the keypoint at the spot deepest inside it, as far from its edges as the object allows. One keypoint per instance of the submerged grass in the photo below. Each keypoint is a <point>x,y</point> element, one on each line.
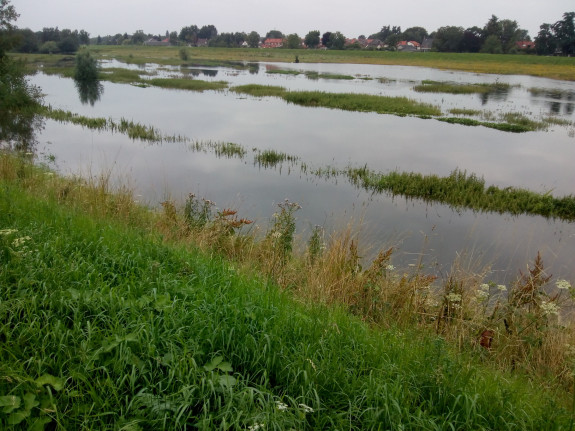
<point>428,86</point>
<point>106,326</point>
<point>462,190</point>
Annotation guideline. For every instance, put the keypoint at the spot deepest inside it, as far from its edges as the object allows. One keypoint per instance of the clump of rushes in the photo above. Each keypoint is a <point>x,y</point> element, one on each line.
<point>463,190</point>
<point>260,90</point>
<point>269,158</point>
<point>361,102</point>
<point>428,86</point>
<point>187,84</point>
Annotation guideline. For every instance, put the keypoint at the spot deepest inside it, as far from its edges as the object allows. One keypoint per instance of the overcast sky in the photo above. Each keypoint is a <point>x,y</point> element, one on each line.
<point>352,18</point>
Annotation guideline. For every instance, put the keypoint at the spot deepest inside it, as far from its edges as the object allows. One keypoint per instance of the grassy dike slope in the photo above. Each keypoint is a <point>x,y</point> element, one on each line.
<point>105,326</point>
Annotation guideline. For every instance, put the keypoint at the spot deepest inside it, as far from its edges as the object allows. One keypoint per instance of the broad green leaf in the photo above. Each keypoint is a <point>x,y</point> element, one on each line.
<point>30,401</point>
<point>17,417</point>
<point>227,380</point>
<point>225,367</point>
<point>40,423</point>
<point>48,379</point>
<point>212,365</point>
<point>10,403</point>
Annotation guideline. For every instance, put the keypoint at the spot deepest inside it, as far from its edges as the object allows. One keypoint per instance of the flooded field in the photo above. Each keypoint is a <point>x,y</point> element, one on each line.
<point>319,138</point>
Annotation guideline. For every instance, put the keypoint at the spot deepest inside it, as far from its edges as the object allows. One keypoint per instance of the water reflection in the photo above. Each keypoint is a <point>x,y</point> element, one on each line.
<point>89,91</point>
<point>18,130</point>
<point>498,94</point>
<point>558,101</point>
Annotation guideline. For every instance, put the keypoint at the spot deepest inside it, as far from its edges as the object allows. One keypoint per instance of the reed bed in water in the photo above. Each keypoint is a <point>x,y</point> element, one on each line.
<point>428,86</point>
<point>462,190</point>
<point>200,326</point>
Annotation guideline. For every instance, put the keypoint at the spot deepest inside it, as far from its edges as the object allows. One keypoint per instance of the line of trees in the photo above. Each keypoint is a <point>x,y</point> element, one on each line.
<point>496,36</point>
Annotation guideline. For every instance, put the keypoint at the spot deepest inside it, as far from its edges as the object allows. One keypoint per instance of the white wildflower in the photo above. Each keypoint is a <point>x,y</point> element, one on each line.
<point>502,288</point>
<point>282,407</point>
<point>453,297</point>
<point>390,267</point>
<point>549,307</point>
<point>563,284</point>
<point>256,427</point>
<point>18,242</point>
<point>484,287</point>
<point>482,295</point>
<point>305,408</point>
<point>276,234</point>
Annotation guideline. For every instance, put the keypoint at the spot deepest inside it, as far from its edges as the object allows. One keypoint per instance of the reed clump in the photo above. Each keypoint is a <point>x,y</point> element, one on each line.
<point>428,86</point>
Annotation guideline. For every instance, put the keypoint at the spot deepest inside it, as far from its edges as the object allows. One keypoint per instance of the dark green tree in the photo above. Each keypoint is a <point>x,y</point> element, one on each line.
<point>293,41</point>
<point>27,41</point>
<point>564,31</point>
<point>337,40</point>
<point>545,42</point>
<point>414,33</point>
<point>189,34</point>
<point>448,39</point>
<point>472,40</point>
<point>253,39</point>
<point>274,34</point>
<point>207,32</point>
<point>86,67</point>
<point>138,38</point>
<point>84,37</point>
<point>325,39</point>
<point>312,39</point>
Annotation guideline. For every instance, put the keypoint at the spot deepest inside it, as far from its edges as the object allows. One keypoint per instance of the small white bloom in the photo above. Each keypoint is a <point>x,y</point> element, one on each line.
<point>18,242</point>
<point>255,427</point>
<point>390,267</point>
<point>482,295</point>
<point>281,406</point>
<point>502,287</point>
<point>453,297</point>
<point>306,408</point>
<point>484,287</point>
<point>276,234</point>
<point>563,284</point>
<point>549,308</point>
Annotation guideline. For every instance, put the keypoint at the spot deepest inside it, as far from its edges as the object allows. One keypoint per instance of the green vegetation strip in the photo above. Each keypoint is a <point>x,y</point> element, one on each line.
<point>107,327</point>
<point>461,190</point>
<point>428,86</point>
<point>344,101</point>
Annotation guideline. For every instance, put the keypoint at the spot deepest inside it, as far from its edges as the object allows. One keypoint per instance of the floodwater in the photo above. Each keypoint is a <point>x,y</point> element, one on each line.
<point>430,234</point>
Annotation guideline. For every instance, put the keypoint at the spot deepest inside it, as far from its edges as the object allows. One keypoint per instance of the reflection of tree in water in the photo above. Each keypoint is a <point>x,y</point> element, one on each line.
<point>555,99</point>
<point>19,103</point>
<point>89,91</point>
<point>498,94</point>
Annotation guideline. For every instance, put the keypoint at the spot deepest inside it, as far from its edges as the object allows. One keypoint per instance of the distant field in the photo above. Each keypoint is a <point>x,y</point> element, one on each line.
<point>550,67</point>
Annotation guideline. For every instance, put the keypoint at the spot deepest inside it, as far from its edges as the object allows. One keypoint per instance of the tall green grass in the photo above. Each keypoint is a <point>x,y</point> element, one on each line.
<point>104,326</point>
<point>462,190</point>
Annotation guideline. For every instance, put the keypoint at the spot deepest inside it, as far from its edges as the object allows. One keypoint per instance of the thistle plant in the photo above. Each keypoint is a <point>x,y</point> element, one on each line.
<point>282,231</point>
<point>197,211</point>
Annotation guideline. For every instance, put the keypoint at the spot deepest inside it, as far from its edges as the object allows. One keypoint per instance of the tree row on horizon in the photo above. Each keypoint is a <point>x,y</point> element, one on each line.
<point>497,36</point>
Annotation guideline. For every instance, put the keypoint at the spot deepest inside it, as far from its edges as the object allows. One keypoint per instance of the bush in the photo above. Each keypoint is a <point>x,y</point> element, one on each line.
<point>86,67</point>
